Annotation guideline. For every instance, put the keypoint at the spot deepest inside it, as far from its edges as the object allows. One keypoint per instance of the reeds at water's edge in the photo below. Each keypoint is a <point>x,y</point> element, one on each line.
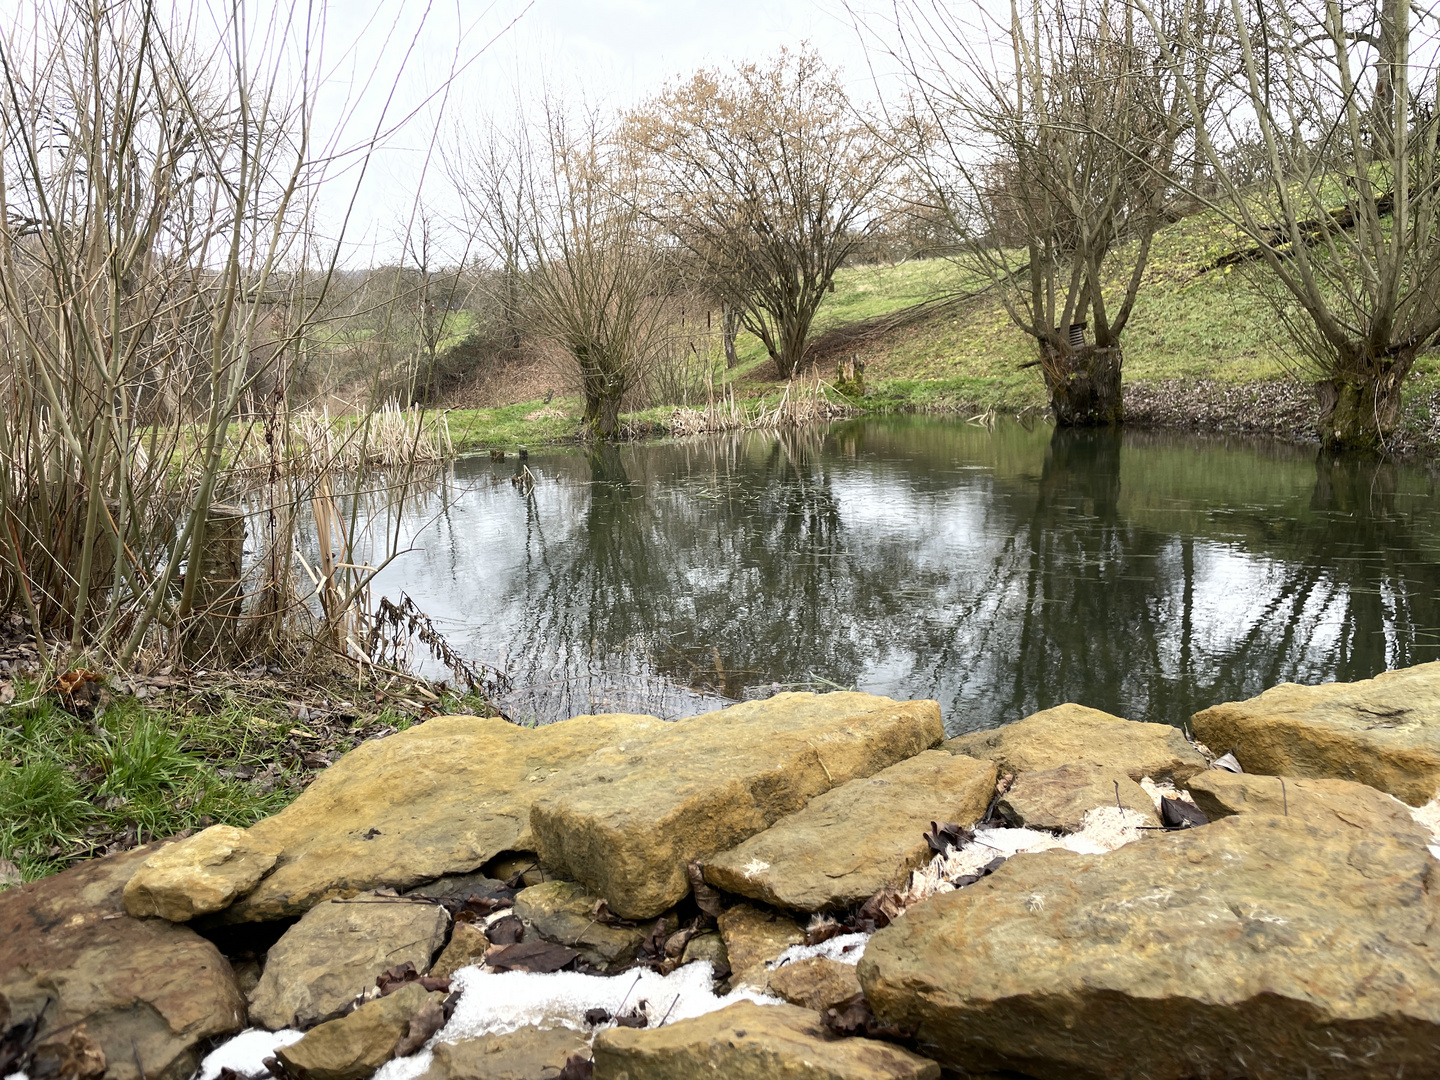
<point>802,402</point>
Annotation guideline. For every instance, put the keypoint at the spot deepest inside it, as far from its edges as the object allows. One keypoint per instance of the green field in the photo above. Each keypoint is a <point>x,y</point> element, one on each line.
<point>1188,325</point>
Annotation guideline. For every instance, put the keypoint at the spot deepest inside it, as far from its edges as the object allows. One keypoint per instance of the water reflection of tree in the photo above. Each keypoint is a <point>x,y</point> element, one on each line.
<point>732,573</point>
<point>1107,610</point>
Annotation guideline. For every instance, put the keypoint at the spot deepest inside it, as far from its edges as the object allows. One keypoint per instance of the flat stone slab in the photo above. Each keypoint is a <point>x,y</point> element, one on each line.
<point>1323,802</point>
<point>337,950</point>
<point>854,840</point>
<point>746,1041</point>
<point>1059,798</point>
<point>1257,946</point>
<point>441,798</point>
<point>1071,734</point>
<point>151,993</point>
<point>528,1053</point>
<point>1384,732</point>
<point>629,822</point>
<point>200,874</point>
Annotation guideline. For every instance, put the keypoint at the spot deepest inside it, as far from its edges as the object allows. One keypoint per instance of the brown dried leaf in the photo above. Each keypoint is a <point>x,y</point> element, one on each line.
<point>75,1057</point>
<point>707,898</point>
<point>577,1068</point>
<point>507,931</point>
<point>540,956</point>
<point>396,977</point>
<point>426,1022</point>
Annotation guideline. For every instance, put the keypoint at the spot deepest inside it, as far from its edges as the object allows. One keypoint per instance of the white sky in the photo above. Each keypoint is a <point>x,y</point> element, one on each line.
<point>614,51</point>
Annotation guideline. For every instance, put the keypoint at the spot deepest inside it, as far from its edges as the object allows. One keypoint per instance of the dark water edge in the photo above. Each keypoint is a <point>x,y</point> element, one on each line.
<point>998,570</point>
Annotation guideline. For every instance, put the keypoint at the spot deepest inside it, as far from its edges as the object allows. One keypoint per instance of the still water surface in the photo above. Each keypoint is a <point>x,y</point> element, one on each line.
<point>998,571</point>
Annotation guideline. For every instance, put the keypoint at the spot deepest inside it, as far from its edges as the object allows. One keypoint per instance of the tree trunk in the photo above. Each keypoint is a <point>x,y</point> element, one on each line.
<point>1360,408</point>
<point>602,413</point>
<point>729,327</point>
<point>1084,387</point>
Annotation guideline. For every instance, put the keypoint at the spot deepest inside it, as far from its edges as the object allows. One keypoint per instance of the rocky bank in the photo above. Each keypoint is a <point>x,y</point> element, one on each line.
<point>809,886</point>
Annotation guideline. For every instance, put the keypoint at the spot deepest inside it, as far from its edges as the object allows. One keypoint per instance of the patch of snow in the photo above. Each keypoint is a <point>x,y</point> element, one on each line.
<point>1102,830</point>
<point>493,1003</point>
<point>846,948</point>
<point>1164,789</point>
<point>1429,816</point>
<point>246,1053</point>
<point>17,1076</point>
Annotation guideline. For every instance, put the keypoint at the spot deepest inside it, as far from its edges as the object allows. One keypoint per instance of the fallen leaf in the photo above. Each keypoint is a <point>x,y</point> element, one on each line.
<point>75,1057</point>
<point>577,1068</point>
<point>426,1022</point>
<point>707,898</point>
<point>536,956</point>
<point>633,1019</point>
<point>853,1016</point>
<point>507,930</point>
<point>597,1016</point>
<point>942,838</point>
<point>1179,814</point>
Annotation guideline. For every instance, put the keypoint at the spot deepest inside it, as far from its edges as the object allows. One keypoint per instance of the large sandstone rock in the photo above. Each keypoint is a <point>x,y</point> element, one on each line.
<point>1059,798</point>
<point>354,1046</point>
<point>528,1053</point>
<point>816,983</point>
<point>1384,731</point>
<point>1257,946</point>
<point>629,822</point>
<point>1070,734</point>
<point>441,798</point>
<point>468,945</point>
<point>336,951</point>
<point>152,994</point>
<point>753,938</point>
<point>1324,802</point>
<point>746,1041</point>
<point>200,874</point>
<point>563,912</point>
<point>856,839</point>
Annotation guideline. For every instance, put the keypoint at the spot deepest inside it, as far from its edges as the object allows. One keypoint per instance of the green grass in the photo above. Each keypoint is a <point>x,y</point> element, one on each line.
<point>71,787</point>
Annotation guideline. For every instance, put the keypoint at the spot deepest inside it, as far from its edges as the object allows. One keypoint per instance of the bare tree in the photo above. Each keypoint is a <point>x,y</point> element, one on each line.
<point>555,204</point>
<point>1048,145</point>
<point>1341,214</point>
<point>767,177</point>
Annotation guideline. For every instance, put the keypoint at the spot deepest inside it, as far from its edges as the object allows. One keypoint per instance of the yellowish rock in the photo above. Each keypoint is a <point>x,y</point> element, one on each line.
<point>1360,807</point>
<point>1256,946</point>
<point>858,838</point>
<point>466,947</point>
<point>528,1053</point>
<point>628,823</point>
<point>1384,732</point>
<point>354,1046</point>
<point>441,798</point>
<point>754,937</point>
<point>1059,798</point>
<point>746,1041</point>
<point>200,874</point>
<point>816,982</point>
<point>1071,733</point>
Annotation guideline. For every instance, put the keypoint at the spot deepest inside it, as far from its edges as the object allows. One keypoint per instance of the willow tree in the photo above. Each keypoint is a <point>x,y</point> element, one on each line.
<point>553,197</point>
<point>1339,220</point>
<point>768,178</point>
<point>1048,144</point>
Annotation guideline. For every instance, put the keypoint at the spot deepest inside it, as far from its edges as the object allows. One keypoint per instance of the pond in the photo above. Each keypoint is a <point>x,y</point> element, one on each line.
<point>997,569</point>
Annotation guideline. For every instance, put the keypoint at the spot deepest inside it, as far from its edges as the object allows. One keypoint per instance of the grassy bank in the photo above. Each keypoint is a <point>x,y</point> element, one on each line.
<point>80,780</point>
<point>1202,349</point>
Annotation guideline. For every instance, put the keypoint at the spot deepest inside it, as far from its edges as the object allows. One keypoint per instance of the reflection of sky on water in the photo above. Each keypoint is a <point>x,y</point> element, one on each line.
<point>991,570</point>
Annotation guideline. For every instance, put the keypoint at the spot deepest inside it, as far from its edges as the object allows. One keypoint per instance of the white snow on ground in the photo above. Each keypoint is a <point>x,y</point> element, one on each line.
<point>846,948</point>
<point>1429,816</point>
<point>1102,829</point>
<point>246,1053</point>
<point>499,1002</point>
<point>1161,789</point>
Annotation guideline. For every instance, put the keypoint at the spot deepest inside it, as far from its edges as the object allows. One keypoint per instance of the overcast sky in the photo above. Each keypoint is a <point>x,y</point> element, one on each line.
<point>616,51</point>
